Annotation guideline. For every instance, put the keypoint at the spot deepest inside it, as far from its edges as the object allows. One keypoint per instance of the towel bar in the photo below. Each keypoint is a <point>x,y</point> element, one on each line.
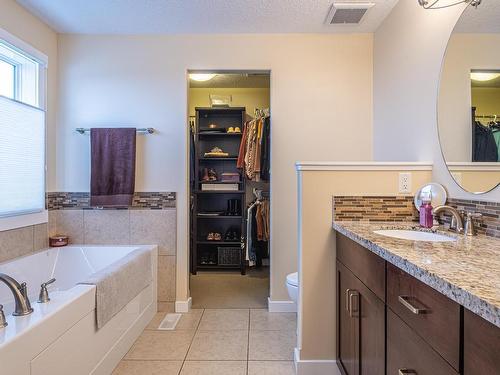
<point>139,130</point>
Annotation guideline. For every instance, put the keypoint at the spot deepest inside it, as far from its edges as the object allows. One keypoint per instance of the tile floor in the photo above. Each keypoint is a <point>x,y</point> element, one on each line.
<point>216,342</point>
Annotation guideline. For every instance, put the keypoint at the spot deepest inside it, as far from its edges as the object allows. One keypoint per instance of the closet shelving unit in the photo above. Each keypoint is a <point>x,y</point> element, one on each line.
<point>204,252</point>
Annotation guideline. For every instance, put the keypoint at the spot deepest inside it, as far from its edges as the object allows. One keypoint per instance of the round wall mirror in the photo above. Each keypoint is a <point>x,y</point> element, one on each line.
<point>469,99</point>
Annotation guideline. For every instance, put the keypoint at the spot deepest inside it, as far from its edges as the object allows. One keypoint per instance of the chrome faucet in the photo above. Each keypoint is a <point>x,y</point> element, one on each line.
<point>459,223</point>
<point>20,292</point>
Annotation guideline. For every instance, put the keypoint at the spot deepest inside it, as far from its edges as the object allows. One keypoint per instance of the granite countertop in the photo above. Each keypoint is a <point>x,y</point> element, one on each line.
<point>466,270</point>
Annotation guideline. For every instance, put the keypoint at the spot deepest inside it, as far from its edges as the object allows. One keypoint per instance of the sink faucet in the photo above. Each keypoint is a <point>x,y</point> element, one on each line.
<point>456,215</point>
<point>20,292</point>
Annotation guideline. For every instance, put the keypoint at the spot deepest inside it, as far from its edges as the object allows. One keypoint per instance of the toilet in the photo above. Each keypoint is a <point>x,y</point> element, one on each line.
<point>292,285</point>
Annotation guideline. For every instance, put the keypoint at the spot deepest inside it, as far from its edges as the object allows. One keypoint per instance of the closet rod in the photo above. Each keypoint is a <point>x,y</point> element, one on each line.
<point>139,130</point>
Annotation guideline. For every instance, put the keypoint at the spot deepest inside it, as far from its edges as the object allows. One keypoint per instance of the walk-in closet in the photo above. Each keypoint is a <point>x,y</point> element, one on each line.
<point>230,180</point>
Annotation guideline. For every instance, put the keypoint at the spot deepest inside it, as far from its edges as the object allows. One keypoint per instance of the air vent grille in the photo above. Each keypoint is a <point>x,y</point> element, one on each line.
<point>347,13</point>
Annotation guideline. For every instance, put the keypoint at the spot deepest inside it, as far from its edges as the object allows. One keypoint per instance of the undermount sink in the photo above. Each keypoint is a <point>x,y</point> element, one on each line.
<point>414,235</point>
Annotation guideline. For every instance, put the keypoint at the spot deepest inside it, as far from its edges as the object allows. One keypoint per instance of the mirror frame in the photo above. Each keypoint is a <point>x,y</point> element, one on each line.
<point>437,114</point>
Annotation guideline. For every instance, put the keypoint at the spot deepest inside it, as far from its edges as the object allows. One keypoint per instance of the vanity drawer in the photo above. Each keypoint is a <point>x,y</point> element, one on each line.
<point>408,353</point>
<point>365,265</point>
<point>433,316</point>
<point>481,346</point>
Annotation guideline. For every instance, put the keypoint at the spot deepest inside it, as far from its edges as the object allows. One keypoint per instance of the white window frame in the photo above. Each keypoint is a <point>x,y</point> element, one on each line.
<point>23,220</point>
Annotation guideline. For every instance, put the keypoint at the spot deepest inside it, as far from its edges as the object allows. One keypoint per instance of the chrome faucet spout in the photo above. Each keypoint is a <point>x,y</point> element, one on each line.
<point>20,292</point>
<point>454,212</point>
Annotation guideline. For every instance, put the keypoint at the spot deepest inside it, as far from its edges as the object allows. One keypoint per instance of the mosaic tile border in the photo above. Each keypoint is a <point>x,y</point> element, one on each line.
<point>81,200</point>
<point>374,208</point>
<point>488,224</point>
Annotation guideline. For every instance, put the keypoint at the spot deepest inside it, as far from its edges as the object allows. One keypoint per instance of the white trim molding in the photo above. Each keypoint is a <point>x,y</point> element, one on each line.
<point>281,306</point>
<point>19,221</point>
<point>362,166</point>
<point>473,166</point>
<point>314,366</point>
<point>183,306</point>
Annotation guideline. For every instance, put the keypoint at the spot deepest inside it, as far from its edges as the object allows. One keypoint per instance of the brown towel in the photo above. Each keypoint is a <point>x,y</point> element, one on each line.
<point>112,179</point>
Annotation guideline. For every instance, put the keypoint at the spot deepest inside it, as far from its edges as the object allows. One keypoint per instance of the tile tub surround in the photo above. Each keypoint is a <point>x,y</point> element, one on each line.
<point>18,242</point>
<point>465,271</point>
<point>124,227</point>
<point>374,208</point>
<point>216,341</point>
<point>76,200</point>
<point>488,224</point>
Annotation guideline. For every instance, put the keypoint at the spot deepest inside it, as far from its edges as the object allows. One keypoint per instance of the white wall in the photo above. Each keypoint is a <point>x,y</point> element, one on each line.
<point>19,22</point>
<point>464,52</point>
<point>317,83</point>
<point>408,52</point>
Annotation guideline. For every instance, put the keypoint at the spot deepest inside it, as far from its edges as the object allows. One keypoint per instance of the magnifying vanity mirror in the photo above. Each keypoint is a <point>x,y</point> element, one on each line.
<point>469,99</point>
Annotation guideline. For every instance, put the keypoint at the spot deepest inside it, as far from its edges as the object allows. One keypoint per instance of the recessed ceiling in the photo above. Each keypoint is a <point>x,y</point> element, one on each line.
<point>234,81</point>
<point>483,19</point>
<point>198,16</point>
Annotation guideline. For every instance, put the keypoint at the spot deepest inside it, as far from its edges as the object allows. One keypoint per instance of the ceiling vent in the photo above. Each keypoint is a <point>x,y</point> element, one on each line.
<point>344,13</point>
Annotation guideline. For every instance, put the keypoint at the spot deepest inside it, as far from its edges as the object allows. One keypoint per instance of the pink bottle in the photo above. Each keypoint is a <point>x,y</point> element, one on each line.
<point>426,218</point>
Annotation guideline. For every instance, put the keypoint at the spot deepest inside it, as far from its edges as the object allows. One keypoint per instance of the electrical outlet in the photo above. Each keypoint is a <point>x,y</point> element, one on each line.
<point>405,182</point>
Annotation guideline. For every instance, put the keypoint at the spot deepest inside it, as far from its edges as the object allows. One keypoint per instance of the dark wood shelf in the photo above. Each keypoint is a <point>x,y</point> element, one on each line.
<point>219,217</point>
<point>215,158</point>
<point>229,243</point>
<point>220,191</point>
<point>214,134</point>
<point>217,200</point>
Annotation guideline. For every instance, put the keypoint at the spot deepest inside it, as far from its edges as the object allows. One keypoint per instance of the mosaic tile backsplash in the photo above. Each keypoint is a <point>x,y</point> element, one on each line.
<point>81,200</point>
<point>488,224</point>
<point>401,208</point>
<point>374,208</point>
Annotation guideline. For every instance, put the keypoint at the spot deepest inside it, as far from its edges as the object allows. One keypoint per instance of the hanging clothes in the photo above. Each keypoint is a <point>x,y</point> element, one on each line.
<point>258,233</point>
<point>495,128</point>
<point>254,152</point>
<point>485,147</point>
<point>265,154</point>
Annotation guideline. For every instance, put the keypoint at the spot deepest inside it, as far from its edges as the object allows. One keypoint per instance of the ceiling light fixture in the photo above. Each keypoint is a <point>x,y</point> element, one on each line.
<point>440,4</point>
<point>484,76</point>
<point>202,77</point>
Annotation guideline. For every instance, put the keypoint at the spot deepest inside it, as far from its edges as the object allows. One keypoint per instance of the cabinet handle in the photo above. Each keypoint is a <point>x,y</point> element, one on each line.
<point>352,294</point>
<point>404,300</point>
<point>405,371</point>
<point>347,302</point>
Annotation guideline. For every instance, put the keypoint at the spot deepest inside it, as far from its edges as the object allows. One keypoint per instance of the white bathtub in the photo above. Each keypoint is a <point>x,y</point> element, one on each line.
<point>60,337</point>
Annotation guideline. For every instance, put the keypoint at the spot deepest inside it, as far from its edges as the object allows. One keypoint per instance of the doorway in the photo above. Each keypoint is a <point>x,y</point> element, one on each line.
<point>230,181</point>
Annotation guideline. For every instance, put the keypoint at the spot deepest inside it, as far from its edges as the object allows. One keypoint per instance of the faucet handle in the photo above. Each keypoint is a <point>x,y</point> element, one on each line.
<point>470,228</point>
<point>3,321</point>
<point>43,297</point>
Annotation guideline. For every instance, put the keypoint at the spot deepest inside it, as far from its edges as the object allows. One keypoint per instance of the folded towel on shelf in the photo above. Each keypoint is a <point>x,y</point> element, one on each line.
<point>119,283</point>
<point>112,179</point>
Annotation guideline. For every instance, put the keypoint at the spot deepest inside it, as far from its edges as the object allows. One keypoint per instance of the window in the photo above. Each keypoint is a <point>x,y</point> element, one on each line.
<point>22,136</point>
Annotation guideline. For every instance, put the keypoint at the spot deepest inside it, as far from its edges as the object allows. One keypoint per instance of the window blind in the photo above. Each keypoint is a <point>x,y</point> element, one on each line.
<point>22,158</point>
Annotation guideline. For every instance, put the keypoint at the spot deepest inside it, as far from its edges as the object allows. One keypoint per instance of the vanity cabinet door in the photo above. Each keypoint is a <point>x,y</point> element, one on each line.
<point>481,346</point>
<point>360,326</point>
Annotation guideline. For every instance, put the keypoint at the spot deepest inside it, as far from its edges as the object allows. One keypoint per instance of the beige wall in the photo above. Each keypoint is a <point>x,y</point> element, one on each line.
<point>19,22</point>
<point>250,98</point>
<point>464,52</point>
<point>487,99</point>
<point>317,83</point>
<point>317,333</point>
<point>408,53</point>
<point>477,178</point>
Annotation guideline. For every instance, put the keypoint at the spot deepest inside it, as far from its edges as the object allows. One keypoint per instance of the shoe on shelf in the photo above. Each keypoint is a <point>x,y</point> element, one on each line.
<point>230,130</point>
<point>216,152</point>
<point>212,175</point>
<point>205,176</point>
<point>217,237</point>
<point>237,130</point>
<point>210,237</point>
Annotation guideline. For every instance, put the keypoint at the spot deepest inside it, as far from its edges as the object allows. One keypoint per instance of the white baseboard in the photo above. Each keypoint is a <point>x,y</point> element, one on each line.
<point>183,306</point>
<point>314,366</point>
<point>281,306</point>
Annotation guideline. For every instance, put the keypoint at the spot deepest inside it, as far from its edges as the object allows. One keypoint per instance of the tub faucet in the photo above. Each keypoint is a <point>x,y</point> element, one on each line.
<point>456,215</point>
<point>20,292</point>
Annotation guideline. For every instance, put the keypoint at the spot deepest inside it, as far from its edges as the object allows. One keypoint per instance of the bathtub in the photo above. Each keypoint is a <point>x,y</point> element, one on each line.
<point>60,337</point>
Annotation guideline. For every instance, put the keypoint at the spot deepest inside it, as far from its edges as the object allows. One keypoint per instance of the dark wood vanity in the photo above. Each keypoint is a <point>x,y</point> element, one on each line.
<point>388,322</point>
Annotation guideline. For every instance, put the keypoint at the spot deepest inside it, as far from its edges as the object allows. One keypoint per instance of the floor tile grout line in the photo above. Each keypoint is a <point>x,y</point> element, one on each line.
<point>248,336</point>
<point>191,343</point>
